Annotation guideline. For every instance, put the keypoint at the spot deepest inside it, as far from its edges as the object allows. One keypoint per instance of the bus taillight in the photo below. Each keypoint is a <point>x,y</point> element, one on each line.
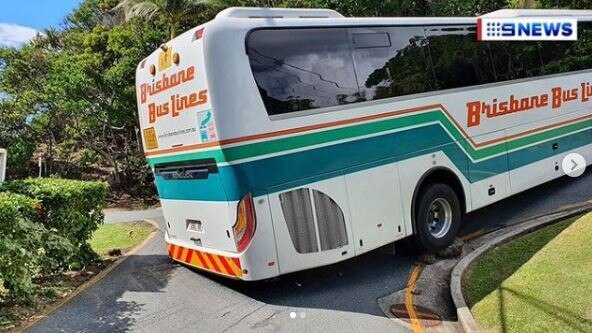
<point>244,227</point>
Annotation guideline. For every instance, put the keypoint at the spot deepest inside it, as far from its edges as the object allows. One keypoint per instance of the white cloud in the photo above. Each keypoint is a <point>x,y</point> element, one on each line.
<point>15,35</point>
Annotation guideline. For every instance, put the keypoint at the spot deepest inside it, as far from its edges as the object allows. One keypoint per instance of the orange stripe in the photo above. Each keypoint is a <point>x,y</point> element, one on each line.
<point>236,269</point>
<point>540,129</point>
<point>183,253</point>
<point>292,130</point>
<point>214,265</point>
<point>218,263</point>
<point>355,120</point>
<point>229,270</point>
<point>179,252</point>
<point>188,256</point>
<point>201,259</point>
<point>207,262</point>
<point>222,269</point>
<point>236,262</point>
<point>195,261</point>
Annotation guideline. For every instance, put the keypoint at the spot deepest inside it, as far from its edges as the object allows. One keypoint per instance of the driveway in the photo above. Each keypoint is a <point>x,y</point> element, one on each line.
<point>150,294</point>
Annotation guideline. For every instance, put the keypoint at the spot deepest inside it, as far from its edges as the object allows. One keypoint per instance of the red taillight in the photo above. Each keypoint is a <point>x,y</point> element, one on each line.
<point>199,33</point>
<point>244,227</point>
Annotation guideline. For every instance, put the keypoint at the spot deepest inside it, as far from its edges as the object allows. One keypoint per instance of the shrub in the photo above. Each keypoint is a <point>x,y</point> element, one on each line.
<point>72,208</point>
<point>20,241</point>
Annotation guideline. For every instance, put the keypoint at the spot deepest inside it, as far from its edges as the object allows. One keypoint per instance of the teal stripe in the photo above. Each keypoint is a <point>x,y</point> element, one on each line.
<point>274,174</point>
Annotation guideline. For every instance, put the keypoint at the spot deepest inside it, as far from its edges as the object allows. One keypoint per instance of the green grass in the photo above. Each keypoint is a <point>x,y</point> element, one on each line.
<point>540,282</point>
<point>119,236</point>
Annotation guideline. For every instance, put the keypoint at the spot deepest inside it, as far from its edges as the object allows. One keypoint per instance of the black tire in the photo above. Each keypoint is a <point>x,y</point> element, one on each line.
<point>431,201</point>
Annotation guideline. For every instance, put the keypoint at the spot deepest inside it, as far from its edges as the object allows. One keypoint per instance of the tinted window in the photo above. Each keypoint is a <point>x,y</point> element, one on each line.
<point>390,61</point>
<point>560,57</point>
<point>516,60</point>
<point>459,60</point>
<point>301,69</point>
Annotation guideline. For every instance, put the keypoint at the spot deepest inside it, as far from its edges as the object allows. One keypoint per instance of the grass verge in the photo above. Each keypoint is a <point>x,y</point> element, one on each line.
<point>109,241</point>
<point>540,282</point>
<point>119,236</point>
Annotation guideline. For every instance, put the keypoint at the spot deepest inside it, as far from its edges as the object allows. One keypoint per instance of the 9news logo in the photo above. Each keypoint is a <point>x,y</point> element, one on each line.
<point>527,28</point>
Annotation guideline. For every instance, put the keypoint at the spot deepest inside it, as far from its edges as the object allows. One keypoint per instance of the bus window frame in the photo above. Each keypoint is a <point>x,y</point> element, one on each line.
<point>310,112</point>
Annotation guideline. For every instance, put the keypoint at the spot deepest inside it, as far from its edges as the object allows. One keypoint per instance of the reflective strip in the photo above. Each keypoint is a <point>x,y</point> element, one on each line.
<point>229,266</point>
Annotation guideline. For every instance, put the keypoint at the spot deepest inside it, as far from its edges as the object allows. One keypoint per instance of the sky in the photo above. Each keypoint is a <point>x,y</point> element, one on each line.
<point>21,20</point>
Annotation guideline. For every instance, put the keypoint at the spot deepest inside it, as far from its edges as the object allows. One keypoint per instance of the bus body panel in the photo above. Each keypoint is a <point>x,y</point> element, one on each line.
<point>378,221</point>
<point>212,220</point>
<point>294,256</point>
<point>340,156</point>
<point>491,177</point>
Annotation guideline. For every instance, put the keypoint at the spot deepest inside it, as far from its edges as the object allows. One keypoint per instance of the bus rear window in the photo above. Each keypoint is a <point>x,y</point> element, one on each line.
<point>301,69</point>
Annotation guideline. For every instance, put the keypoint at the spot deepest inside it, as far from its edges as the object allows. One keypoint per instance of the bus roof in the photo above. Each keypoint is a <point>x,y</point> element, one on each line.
<point>263,17</point>
<point>253,17</point>
<point>576,13</point>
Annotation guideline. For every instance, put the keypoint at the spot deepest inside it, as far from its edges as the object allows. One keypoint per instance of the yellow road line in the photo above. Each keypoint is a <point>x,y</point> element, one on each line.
<point>473,235</point>
<point>415,322</point>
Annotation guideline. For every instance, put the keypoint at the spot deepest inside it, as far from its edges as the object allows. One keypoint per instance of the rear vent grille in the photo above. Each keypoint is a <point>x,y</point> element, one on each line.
<point>325,229</point>
<point>297,209</point>
<point>330,220</point>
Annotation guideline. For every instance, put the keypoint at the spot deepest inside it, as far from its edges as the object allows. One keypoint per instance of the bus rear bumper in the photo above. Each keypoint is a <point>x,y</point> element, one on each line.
<point>227,266</point>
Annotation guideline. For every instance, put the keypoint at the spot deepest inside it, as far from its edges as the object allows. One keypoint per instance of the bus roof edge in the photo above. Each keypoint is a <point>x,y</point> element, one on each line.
<point>506,13</point>
<point>276,13</point>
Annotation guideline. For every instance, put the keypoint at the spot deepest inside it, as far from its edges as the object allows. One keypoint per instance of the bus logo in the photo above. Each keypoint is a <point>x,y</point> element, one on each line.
<point>527,28</point>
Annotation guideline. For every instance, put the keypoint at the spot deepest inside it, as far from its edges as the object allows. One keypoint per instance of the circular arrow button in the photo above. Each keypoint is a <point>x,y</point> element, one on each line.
<point>573,165</point>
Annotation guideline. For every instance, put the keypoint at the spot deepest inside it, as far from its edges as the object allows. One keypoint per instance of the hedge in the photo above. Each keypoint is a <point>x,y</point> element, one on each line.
<point>20,243</point>
<point>73,208</point>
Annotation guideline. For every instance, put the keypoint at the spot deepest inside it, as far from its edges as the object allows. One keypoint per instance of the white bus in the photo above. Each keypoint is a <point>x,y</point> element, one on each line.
<point>287,139</point>
<point>3,158</point>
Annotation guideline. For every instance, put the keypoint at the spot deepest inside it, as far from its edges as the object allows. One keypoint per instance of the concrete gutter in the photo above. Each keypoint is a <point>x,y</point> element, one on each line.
<point>465,317</point>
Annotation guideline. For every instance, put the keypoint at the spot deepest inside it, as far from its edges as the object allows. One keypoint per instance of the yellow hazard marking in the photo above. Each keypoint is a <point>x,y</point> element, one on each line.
<point>165,59</point>
<point>183,254</point>
<point>415,322</point>
<point>150,138</point>
<point>195,260</point>
<point>220,265</point>
<point>235,268</point>
<point>207,262</point>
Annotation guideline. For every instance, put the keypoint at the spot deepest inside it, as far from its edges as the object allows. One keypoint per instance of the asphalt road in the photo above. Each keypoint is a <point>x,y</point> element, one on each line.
<point>148,293</point>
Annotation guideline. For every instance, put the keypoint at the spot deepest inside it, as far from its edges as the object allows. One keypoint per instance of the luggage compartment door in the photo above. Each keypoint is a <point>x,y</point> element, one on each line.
<point>312,225</point>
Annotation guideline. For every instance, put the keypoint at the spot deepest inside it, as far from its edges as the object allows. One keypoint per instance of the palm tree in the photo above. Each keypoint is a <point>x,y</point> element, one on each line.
<point>173,11</point>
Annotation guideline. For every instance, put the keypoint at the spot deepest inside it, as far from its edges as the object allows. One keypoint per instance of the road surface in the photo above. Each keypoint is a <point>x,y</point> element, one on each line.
<point>148,293</point>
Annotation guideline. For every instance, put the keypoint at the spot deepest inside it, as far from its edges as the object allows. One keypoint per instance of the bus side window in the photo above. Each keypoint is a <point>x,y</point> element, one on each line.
<point>516,60</point>
<point>458,59</point>
<point>390,61</point>
<point>565,56</point>
<point>301,69</point>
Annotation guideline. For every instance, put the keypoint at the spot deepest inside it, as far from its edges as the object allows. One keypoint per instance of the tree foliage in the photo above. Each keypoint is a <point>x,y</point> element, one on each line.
<point>69,95</point>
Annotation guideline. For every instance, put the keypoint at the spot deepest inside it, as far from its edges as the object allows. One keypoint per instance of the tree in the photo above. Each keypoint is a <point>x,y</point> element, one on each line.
<point>69,95</point>
<point>174,12</point>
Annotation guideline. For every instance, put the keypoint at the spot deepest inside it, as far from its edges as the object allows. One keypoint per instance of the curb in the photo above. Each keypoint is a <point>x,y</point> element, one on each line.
<point>465,317</point>
<point>91,282</point>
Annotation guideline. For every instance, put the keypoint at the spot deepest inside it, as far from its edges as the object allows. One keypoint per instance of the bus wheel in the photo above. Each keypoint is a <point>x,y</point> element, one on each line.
<point>437,218</point>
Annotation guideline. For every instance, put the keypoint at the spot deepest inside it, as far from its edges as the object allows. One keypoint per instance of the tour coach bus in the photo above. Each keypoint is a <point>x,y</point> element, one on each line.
<point>286,139</point>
